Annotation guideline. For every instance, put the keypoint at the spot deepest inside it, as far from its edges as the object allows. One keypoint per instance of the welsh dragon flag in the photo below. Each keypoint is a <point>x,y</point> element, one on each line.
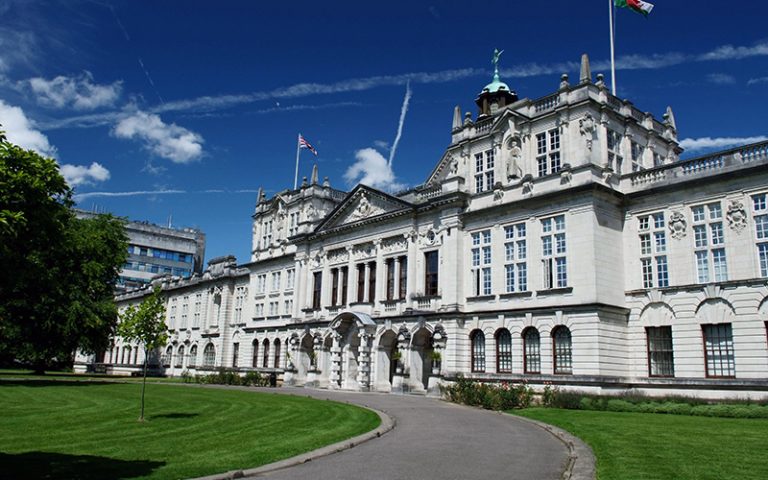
<point>637,5</point>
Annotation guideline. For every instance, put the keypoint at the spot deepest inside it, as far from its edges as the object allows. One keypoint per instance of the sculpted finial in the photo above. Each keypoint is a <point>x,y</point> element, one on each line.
<point>496,54</point>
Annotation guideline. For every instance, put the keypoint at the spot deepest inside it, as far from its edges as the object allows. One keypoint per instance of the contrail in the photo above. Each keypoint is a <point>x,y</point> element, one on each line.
<point>403,111</point>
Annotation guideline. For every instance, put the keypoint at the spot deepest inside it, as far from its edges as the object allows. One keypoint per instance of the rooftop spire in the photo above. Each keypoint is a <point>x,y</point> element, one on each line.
<point>669,118</point>
<point>586,72</point>
<point>314,175</point>
<point>456,118</point>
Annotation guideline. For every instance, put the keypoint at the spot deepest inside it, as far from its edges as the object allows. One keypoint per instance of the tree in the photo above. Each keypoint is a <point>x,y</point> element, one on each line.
<point>144,324</point>
<point>58,272</point>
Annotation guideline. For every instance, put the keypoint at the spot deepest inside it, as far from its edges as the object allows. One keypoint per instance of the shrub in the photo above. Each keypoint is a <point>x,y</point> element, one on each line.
<point>504,396</point>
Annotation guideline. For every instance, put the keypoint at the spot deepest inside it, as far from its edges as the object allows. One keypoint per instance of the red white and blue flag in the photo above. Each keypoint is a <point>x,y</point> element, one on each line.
<point>303,143</point>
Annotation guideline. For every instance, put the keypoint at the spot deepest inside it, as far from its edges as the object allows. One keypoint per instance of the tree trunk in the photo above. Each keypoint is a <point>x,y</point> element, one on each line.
<point>143,384</point>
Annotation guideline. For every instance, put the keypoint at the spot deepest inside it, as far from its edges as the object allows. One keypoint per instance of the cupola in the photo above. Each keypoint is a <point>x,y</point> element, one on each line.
<point>496,95</point>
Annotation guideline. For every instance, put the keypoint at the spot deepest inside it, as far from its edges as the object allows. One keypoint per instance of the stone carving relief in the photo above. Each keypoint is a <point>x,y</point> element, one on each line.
<point>677,225</point>
<point>587,129</point>
<point>737,216</point>
<point>362,251</point>
<point>431,236</point>
<point>310,213</point>
<point>365,209</point>
<point>338,255</point>
<point>394,244</point>
<point>453,166</point>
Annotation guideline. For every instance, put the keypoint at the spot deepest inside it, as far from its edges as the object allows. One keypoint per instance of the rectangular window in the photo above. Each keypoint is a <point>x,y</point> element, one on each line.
<point>360,282</point>
<point>403,277</point>
<point>431,273</point>
<point>317,285</point>
<point>293,225</point>
<point>485,163</point>
<point>760,216</point>
<point>481,263</point>
<point>390,262</point>
<point>372,282</point>
<point>344,284</point>
<point>334,286</point>
<point>258,310</point>
<point>275,281</point>
<point>637,151</point>
<point>288,307</point>
<point>261,283</point>
<point>235,354</point>
<point>660,355</point>
<point>615,158</point>
<point>239,300</point>
<point>718,350</point>
<point>553,252</point>
<point>273,309</point>
<point>290,278</point>
<point>707,235</point>
<point>548,159</point>
<point>653,246</point>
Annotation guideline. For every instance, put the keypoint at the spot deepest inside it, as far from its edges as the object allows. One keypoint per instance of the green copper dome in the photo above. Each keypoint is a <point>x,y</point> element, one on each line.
<point>496,85</point>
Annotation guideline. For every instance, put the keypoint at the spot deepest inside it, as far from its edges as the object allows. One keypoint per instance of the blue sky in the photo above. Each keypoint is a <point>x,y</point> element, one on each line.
<point>184,109</point>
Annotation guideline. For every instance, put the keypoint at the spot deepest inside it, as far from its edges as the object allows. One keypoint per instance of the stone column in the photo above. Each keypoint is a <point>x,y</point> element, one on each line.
<point>336,362</point>
<point>351,278</point>
<point>364,361</point>
<point>380,274</point>
<point>413,261</point>
<point>366,297</point>
<point>298,278</point>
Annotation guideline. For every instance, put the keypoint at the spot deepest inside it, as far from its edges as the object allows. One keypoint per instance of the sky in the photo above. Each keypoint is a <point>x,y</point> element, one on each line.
<point>179,111</point>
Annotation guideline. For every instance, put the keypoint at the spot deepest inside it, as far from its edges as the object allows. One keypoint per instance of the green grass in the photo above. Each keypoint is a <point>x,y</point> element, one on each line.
<point>635,446</point>
<point>65,429</point>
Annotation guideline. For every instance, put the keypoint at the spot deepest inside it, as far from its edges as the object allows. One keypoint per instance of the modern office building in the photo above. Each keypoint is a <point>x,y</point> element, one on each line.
<point>154,250</point>
<point>559,240</point>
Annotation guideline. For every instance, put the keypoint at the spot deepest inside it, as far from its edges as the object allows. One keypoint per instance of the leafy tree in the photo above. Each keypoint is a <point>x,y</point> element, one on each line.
<point>58,272</point>
<point>145,324</point>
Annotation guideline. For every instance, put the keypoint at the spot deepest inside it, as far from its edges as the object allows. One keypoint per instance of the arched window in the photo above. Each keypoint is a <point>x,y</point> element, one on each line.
<point>209,355</point>
<point>277,353</point>
<point>255,362</point>
<point>531,351</point>
<point>136,355</point>
<point>503,351</point>
<point>127,354</point>
<point>477,339</point>
<point>192,357</point>
<point>265,345</point>
<point>180,357</point>
<point>117,355</point>
<point>168,356</point>
<point>561,350</point>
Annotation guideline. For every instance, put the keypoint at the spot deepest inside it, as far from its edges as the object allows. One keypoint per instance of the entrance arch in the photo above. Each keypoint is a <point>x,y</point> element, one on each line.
<point>421,358</point>
<point>351,352</point>
<point>385,365</point>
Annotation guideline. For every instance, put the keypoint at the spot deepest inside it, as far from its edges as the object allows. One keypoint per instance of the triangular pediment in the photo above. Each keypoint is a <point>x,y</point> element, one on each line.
<point>362,203</point>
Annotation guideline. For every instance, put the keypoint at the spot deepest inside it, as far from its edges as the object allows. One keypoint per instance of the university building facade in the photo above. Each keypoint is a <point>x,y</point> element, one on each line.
<point>559,240</point>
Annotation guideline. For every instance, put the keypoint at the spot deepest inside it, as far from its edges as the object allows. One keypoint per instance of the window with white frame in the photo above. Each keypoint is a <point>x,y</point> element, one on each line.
<point>515,258</point>
<point>553,252</point>
<point>709,243</point>
<point>293,224</point>
<point>658,159</point>
<point>239,301</point>
<point>172,315</point>
<point>636,151</point>
<point>266,234</point>
<point>288,307</point>
<point>275,284</point>
<point>653,250</point>
<point>184,311</point>
<point>273,309</point>
<point>718,350</point>
<point>760,215</point>
<point>548,158</point>
<point>258,310</point>
<point>290,278</point>
<point>614,149</point>
<point>661,360</point>
<point>485,163</point>
<point>261,283</point>
<point>481,263</point>
<point>198,309</point>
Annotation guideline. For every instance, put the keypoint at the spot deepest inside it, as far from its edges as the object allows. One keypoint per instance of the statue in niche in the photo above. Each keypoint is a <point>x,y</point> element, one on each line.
<point>310,212</point>
<point>514,158</point>
<point>587,129</point>
<point>454,167</point>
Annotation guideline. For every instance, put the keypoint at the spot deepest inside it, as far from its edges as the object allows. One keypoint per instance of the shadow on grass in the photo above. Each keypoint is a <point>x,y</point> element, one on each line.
<point>52,383</point>
<point>173,415</point>
<point>48,465</point>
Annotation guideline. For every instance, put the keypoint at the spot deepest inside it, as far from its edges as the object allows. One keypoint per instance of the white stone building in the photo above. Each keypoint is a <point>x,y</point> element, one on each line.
<point>558,240</point>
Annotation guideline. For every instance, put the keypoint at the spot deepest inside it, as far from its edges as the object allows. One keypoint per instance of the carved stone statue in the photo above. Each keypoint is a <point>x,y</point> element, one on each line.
<point>514,158</point>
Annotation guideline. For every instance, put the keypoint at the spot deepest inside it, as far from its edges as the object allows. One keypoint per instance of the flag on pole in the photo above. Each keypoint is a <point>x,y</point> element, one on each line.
<point>638,6</point>
<point>303,143</point>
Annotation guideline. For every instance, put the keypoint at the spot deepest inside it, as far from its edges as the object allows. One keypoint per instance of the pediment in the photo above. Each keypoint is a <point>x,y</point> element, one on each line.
<point>362,203</point>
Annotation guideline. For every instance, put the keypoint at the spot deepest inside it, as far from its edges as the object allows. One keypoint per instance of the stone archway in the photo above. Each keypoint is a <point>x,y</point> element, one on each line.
<point>351,351</point>
<point>385,365</point>
<point>420,359</point>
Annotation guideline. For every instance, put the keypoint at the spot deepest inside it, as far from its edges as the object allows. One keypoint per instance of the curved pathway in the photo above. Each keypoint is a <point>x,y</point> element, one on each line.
<point>433,439</point>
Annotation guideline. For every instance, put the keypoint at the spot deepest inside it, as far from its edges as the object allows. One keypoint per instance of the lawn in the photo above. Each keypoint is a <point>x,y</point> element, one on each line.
<point>635,446</point>
<point>89,430</point>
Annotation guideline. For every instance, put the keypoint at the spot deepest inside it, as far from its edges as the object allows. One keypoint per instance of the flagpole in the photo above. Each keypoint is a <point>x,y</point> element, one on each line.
<point>296,175</point>
<point>613,59</point>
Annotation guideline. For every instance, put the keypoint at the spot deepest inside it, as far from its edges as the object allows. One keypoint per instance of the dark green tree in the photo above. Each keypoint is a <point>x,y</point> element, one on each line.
<point>58,272</point>
<point>145,324</point>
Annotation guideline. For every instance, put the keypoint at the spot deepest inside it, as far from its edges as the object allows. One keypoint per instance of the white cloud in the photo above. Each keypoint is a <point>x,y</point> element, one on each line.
<point>381,144</point>
<point>78,92</point>
<point>730,52</point>
<point>721,79</point>
<point>755,81</point>
<point>79,175</point>
<point>21,131</point>
<point>169,141</point>
<point>372,169</point>
<point>707,143</point>
<point>83,196</point>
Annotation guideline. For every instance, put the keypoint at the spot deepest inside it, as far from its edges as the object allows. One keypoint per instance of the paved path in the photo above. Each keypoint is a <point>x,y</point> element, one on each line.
<point>433,439</point>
